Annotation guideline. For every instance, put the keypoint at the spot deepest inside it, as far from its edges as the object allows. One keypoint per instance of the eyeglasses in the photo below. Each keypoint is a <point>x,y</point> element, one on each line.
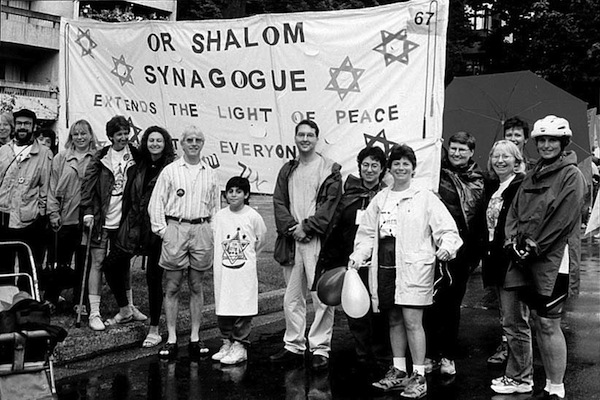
<point>456,150</point>
<point>23,123</point>
<point>372,166</point>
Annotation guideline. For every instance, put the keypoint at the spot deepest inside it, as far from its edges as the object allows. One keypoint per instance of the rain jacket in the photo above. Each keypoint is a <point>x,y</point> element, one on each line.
<point>328,197</point>
<point>135,235</point>
<point>424,225</point>
<point>547,210</point>
<point>24,184</point>
<point>495,261</point>
<point>462,192</point>
<point>65,186</point>
<point>97,186</point>
<point>340,244</point>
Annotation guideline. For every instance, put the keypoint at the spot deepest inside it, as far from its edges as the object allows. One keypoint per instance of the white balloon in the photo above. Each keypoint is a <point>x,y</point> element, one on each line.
<point>355,297</point>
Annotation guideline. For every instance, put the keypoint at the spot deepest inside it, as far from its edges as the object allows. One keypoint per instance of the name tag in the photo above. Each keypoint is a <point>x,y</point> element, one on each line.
<point>359,216</point>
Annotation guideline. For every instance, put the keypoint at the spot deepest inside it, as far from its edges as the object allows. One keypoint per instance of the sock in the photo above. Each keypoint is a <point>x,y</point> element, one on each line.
<point>400,363</point>
<point>557,389</point>
<point>94,304</point>
<point>419,369</point>
<point>130,296</point>
<point>547,387</point>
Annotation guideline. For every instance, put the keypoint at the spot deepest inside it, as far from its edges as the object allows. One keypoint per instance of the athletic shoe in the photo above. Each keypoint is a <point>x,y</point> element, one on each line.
<point>236,355</point>
<point>447,367</point>
<point>509,386</point>
<point>223,350</point>
<point>416,387</point>
<point>500,356</point>
<point>95,322</point>
<point>394,379</point>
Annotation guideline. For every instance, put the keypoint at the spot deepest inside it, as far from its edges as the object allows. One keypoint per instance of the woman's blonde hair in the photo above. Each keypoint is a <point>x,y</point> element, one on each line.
<point>81,124</point>
<point>512,149</point>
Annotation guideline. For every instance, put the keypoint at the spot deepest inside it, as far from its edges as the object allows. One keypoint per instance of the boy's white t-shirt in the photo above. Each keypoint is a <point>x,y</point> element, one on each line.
<point>238,238</point>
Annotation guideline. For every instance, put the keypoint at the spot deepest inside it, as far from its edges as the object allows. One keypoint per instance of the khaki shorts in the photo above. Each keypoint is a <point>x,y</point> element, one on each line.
<point>187,245</point>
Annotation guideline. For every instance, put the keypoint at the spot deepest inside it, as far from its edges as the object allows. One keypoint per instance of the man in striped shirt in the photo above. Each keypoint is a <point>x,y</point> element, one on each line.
<point>184,199</point>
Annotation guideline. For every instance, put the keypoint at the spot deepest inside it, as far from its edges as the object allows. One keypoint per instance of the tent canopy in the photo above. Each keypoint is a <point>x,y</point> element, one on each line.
<point>480,105</point>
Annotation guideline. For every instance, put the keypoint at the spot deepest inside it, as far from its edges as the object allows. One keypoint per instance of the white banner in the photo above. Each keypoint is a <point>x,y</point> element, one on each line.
<point>368,76</point>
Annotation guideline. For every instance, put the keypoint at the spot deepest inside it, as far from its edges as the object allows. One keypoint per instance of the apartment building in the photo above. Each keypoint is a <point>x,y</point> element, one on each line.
<point>29,45</point>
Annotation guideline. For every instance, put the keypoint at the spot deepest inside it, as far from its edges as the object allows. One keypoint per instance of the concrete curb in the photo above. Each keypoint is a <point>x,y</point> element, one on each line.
<point>83,343</point>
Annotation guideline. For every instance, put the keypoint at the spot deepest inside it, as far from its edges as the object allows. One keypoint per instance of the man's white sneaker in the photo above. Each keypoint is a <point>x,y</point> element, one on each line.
<point>447,367</point>
<point>218,356</point>
<point>237,354</point>
<point>509,386</point>
<point>95,322</point>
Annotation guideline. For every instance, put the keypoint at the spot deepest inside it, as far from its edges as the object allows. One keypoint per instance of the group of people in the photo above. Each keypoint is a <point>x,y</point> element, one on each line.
<point>413,249</point>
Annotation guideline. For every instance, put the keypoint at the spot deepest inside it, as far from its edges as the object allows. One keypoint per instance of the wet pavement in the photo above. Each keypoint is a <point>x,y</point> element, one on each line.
<point>122,376</point>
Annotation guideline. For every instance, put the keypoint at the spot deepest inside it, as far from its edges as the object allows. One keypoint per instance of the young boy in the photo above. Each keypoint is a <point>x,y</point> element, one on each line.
<point>239,235</point>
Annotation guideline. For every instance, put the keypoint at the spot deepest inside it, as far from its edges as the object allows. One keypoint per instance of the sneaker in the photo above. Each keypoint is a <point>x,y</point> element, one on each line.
<point>394,379</point>
<point>416,387</point>
<point>223,350</point>
<point>95,322</point>
<point>431,365</point>
<point>236,355</point>
<point>447,367</point>
<point>500,356</point>
<point>509,386</point>
<point>137,314</point>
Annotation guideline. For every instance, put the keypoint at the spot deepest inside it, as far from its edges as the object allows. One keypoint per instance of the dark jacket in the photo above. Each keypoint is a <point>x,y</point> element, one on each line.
<point>495,261</point>
<point>340,244</point>
<point>547,211</point>
<point>328,197</point>
<point>97,186</point>
<point>134,235</point>
<point>462,192</point>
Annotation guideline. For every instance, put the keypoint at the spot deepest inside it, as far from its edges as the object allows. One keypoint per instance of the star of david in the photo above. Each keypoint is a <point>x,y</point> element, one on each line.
<point>335,73</point>
<point>387,47</point>
<point>136,131</point>
<point>124,76</point>
<point>233,249</point>
<point>380,138</point>
<point>85,41</point>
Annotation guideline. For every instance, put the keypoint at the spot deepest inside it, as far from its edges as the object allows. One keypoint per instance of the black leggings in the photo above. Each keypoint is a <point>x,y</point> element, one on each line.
<point>154,275</point>
<point>116,270</point>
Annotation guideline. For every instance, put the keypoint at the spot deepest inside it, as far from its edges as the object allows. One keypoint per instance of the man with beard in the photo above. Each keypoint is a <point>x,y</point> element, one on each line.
<point>24,179</point>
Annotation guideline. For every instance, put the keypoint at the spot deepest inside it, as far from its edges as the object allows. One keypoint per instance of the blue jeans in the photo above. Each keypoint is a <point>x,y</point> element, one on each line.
<point>515,326</point>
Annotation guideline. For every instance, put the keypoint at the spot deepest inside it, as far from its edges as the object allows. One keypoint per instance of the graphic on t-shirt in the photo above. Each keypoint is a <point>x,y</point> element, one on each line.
<point>234,250</point>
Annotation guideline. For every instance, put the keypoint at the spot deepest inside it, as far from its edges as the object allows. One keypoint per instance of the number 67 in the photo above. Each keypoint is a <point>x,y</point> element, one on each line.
<point>420,17</point>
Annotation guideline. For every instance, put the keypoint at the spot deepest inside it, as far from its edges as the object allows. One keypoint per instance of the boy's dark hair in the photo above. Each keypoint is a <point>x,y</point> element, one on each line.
<point>310,123</point>
<point>516,122</point>
<point>241,183</point>
<point>116,124</point>
<point>400,151</point>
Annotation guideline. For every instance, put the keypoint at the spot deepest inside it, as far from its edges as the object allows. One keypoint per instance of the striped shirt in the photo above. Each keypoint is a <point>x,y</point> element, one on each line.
<point>183,191</point>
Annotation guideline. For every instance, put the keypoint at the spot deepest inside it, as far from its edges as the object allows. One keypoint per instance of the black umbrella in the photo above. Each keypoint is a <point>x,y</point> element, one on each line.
<point>480,105</point>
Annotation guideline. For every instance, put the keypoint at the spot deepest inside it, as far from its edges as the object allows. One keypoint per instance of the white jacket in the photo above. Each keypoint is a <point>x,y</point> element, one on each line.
<point>424,224</point>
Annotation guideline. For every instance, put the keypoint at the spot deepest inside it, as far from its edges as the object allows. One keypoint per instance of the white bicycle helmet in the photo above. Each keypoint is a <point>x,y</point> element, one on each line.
<point>551,125</point>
